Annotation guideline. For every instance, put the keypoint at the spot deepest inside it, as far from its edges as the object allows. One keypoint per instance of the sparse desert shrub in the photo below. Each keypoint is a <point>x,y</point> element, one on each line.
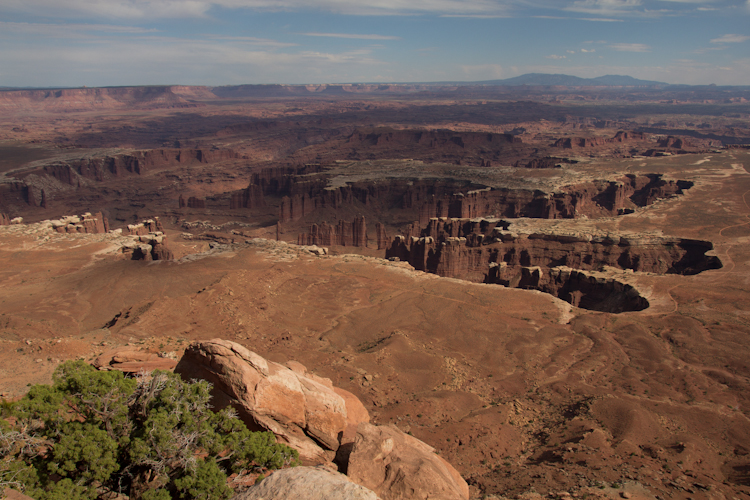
<point>153,437</point>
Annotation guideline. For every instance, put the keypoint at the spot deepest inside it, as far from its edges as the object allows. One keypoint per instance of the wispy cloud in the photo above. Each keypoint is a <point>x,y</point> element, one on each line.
<point>553,56</point>
<point>731,39</point>
<point>630,47</point>
<point>588,51</point>
<point>353,36</point>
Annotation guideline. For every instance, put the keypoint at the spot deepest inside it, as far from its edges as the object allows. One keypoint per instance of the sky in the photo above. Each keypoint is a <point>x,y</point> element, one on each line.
<point>71,43</point>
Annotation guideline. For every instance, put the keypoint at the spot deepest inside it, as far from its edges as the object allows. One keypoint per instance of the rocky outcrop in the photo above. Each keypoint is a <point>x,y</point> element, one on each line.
<point>147,226</point>
<point>301,409</point>
<point>129,360</point>
<point>398,466</point>
<point>346,234</point>
<point>321,422</point>
<point>86,223</point>
<point>150,246</point>
<point>307,483</point>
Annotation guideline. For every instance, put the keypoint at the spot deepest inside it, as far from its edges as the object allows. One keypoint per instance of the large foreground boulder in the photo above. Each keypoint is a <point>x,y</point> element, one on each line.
<point>323,423</point>
<point>397,466</point>
<point>301,409</point>
<point>307,483</point>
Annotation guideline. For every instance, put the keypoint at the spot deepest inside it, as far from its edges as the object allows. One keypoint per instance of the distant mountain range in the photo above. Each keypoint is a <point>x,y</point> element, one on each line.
<point>543,79</point>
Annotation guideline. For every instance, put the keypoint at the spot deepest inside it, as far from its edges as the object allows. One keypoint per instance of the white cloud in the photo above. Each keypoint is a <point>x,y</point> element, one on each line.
<point>353,36</point>
<point>588,51</point>
<point>731,39</point>
<point>553,56</point>
<point>630,47</point>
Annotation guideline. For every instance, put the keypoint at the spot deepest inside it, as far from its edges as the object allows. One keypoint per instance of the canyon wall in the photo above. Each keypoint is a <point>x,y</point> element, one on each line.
<point>342,234</point>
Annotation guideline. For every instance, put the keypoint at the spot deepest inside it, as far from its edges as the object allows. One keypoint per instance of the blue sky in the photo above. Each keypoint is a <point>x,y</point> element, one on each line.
<point>226,42</point>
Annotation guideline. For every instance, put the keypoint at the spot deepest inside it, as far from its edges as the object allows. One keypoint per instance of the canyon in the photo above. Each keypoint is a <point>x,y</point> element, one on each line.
<point>550,293</point>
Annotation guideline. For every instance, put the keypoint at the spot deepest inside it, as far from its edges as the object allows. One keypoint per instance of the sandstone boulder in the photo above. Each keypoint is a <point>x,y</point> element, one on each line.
<point>397,466</point>
<point>301,409</point>
<point>307,483</point>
